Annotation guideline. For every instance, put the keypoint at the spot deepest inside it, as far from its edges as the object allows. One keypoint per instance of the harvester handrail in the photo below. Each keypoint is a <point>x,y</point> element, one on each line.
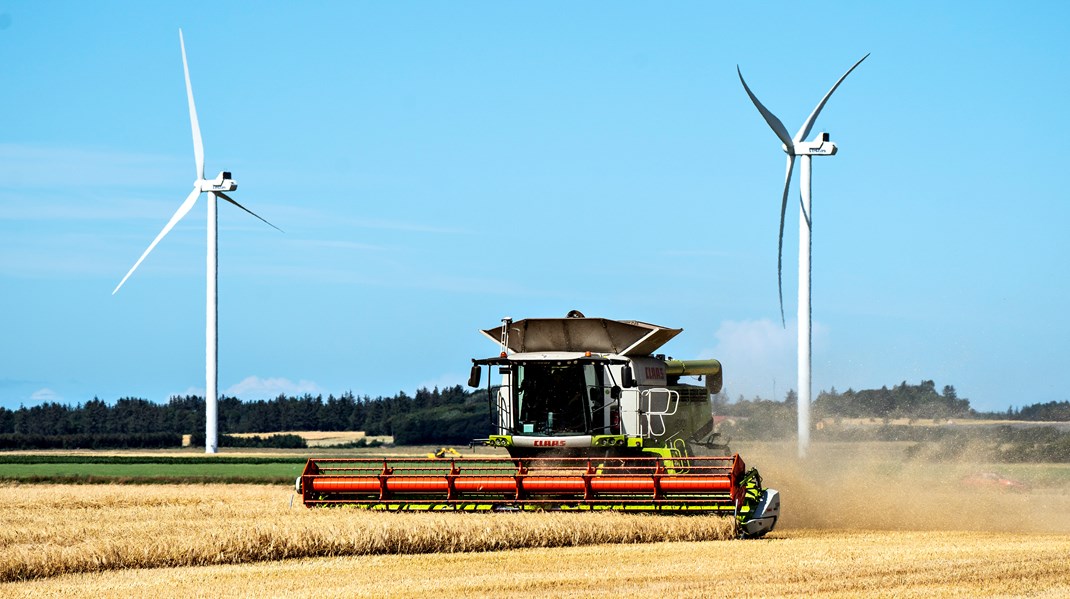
<point>505,410</point>
<point>672,402</point>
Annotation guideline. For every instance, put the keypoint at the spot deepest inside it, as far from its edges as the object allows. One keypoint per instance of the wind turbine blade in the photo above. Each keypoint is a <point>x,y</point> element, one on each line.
<point>184,209</point>
<point>805,129</point>
<point>231,200</point>
<point>780,239</point>
<point>774,123</point>
<point>198,145</point>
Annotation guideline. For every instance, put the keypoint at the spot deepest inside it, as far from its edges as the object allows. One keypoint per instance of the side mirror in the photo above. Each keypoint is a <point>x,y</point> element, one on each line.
<point>627,378</point>
<point>473,379</point>
<point>614,392</point>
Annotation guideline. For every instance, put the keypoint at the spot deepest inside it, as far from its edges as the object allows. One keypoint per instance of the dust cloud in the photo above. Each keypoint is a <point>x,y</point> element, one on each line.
<point>873,486</point>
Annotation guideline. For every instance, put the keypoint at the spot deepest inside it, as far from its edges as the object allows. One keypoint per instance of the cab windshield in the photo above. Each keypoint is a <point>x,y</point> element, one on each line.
<point>556,398</point>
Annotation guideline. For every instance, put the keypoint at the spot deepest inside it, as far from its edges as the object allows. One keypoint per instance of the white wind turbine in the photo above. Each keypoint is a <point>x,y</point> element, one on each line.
<point>215,188</point>
<point>796,146</point>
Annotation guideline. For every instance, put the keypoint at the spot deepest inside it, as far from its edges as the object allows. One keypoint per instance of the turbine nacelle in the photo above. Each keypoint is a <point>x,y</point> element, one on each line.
<point>819,147</point>
<point>222,182</point>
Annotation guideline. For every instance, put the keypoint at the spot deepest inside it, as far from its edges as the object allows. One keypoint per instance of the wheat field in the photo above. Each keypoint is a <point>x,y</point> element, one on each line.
<point>49,530</point>
<point>855,523</point>
<point>803,563</point>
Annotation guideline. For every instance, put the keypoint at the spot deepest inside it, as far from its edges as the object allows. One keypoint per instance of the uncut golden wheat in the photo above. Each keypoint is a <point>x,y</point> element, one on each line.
<point>47,530</point>
<point>803,564</point>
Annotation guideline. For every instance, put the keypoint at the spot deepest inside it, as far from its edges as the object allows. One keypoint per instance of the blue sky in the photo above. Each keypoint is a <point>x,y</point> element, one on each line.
<point>436,166</point>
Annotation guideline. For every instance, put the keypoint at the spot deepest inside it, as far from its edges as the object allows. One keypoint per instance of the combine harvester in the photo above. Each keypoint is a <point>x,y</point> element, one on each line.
<point>591,418</point>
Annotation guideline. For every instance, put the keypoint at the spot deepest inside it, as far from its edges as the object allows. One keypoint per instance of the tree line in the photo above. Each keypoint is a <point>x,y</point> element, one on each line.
<point>1052,411</point>
<point>919,402</point>
<point>450,415</point>
<point>762,419</point>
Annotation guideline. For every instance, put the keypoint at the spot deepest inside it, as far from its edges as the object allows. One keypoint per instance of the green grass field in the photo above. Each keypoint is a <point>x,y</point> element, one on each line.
<point>53,468</point>
<point>150,473</point>
<point>262,466</point>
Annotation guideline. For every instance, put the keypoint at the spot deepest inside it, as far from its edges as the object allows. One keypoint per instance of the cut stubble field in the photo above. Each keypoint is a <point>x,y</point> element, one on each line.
<point>855,523</point>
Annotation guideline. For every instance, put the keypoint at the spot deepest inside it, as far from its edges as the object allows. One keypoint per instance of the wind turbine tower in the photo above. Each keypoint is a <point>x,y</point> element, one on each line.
<point>215,188</point>
<point>806,150</point>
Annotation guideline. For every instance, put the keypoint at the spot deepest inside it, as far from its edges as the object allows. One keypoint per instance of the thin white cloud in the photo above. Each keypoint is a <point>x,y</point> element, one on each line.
<point>44,395</point>
<point>53,206</point>
<point>404,279</point>
<point>412,227</point>
<point>339,245</point>
<point>40,166</point>
<point>710,253</point>
<point>254,388</point>
<point>759,357</point>
<point>319,218</point>
<point>444,381</point>
<point>189,392</point>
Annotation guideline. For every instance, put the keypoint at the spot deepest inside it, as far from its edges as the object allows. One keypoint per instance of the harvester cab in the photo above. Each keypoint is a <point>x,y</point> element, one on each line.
<point>591,418</point>
<point>579,387</point>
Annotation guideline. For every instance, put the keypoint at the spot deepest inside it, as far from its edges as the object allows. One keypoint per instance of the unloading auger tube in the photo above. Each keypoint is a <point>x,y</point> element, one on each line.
<point>694,485</point>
